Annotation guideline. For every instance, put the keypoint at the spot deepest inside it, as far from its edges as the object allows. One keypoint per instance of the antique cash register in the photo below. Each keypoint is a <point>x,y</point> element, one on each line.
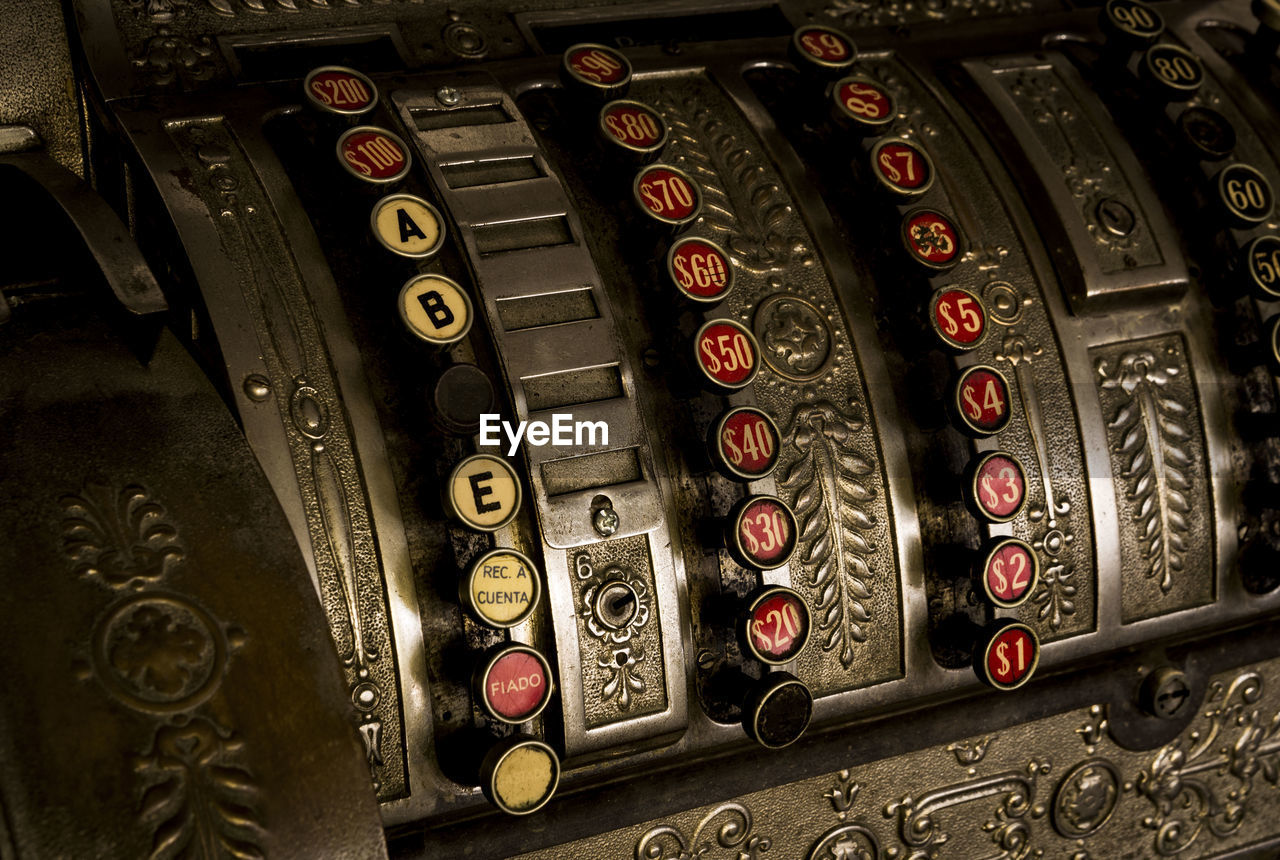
<point>809,430</point>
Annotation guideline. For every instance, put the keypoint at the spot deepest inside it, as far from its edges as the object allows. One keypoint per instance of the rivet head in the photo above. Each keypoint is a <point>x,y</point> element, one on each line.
<point>257,387</point>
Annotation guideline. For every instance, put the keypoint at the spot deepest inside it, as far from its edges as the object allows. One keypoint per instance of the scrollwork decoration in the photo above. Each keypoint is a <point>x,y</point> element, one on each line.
<point>1185,801</point>
<point>725,832</point>
<point>622,656</point>
<point>919,828</point>
<point>831,492</point>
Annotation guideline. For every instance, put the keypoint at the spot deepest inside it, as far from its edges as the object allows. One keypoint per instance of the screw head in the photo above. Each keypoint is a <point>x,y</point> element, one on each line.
<point>1116,218</point>
<point>605,522</point>
<point>1165,693</point>
<point>448,96</point>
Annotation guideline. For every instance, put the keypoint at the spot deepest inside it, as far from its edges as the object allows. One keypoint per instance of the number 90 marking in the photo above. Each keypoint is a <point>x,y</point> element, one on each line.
<point>598,67</point>
<point>1134,19</point>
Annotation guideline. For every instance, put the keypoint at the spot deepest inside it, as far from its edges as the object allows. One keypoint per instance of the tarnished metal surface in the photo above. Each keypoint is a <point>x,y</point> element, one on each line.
<point>1058,786</point>
<point>185,45</point>
<point>1157,451</point>
<point>1121,243</point>
<point>830,468</point>
<point>1092,234</point>
<point>39,87</point>
<point>178,694</point>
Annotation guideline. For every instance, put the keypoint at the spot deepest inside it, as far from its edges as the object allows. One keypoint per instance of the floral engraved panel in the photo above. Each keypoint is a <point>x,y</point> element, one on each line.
<point>303,389</point>
<point>811,383</point>
<point>1023,344</point>
<point>197,795</point>
<point>1081,154</point>
<point>162,656</point>
<point>1044,789</point>
<point>829,483</point>
<point>1160,475</point>
<point>119,537</point>
<point>619,631</point>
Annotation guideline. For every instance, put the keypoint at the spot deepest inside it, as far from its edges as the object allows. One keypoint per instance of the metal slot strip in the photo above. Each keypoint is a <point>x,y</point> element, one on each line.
<point>539,253</point>
<point>1119,238</point>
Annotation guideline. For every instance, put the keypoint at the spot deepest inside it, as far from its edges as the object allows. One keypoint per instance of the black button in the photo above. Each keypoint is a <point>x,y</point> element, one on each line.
<point>1210,133</point>
<point>462,394</point>
<point>777,710</point>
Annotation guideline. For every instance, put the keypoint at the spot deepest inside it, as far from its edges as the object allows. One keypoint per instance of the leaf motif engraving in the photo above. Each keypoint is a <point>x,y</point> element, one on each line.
<point>199,800</point>
<point>830,502</point>
<point>1149,433</point>
<point>1054,595</point>
<point>261,7</point>
<point>743,200</point>
<point>118,537</point>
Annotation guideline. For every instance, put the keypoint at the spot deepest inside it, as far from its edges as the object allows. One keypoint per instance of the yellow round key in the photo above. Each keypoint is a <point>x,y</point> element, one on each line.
<point>484,492</point>
<point>407,225</point>
<point>436,309</point>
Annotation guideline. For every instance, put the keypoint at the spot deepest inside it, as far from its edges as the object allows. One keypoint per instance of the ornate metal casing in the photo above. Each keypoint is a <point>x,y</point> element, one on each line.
<point>997,282</point>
